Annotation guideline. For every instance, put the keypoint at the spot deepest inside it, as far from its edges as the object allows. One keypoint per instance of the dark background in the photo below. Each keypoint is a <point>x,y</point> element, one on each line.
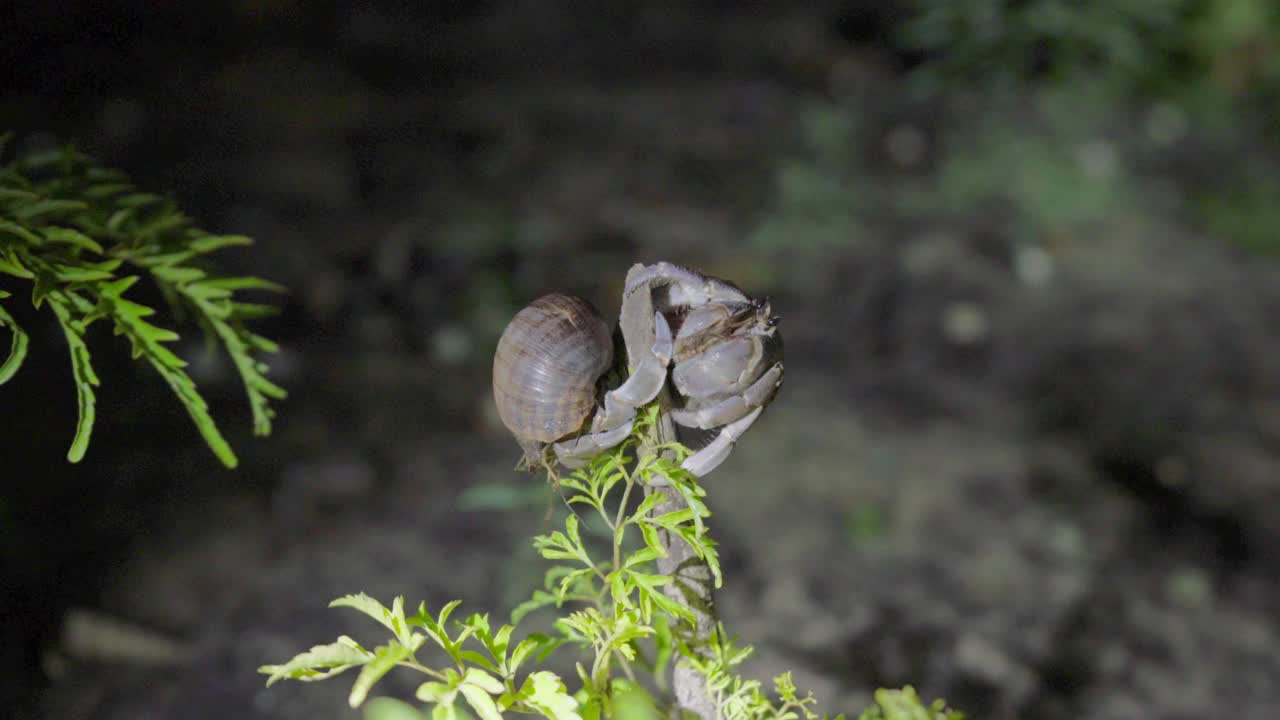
<point>1026,454</point>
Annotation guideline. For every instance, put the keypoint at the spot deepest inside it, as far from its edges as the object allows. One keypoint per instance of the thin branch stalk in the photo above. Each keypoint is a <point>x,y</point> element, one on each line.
<point>692,587</point>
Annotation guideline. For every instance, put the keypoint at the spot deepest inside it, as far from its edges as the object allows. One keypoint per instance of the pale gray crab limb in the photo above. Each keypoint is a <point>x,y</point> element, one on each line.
<point>709,458</point>
<point>730,409</point>
<point>644,383</point>
<point>687,288</point>
<point>578,452</point>
<point>726,368</point>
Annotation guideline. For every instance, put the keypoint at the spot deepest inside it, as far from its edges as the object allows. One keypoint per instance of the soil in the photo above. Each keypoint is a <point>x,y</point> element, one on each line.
<point>1042,496</point>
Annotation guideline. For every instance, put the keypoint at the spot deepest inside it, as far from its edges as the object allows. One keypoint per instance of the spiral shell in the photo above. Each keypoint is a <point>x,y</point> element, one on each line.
<point>546,367</point>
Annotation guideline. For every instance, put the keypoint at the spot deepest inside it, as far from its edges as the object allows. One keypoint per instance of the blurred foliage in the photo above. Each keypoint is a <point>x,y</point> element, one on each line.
<point>1049,117</point>
<point>1247,211</point>
<point>820,195</point>
<point>82,235</point>
<point>1136,47</point>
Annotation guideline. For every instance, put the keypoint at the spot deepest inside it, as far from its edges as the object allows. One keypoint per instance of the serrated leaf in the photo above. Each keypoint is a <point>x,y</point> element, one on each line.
<point>178,274</point>
<point>446,711</point>
<point>319,662</point>
<point>115,288</point>
<point>20,232</point>
<point>17,345</point>
<point>392,618</point>
<point>84,376</point>
<point>73,274</point>
<point>119,218</point>
<point>9,264</point>
<point>447,610</point>
<point>476,658</point>
<point>385,708</point>
<point>664,648</point>
<point>245,283</point>
<point>385,658</point>
<point>69,236</point>
<point>646,506</point>
<point>546,693</point>
<point>210,243</point>
<point>47,207</point>
<point>483,680</point>
<point>522,651</point>
<point>481,701</point>
<point>540,599</point>
<point>254,311</point>
<point>641,556</point>
<point>433,691</point>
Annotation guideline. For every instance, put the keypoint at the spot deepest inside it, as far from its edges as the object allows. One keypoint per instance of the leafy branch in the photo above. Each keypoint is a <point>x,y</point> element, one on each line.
<point>83,235</point>
<point>605,582</point>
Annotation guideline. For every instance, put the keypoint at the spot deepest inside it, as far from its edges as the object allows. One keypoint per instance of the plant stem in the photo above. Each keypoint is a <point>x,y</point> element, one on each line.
<point>691,586</point>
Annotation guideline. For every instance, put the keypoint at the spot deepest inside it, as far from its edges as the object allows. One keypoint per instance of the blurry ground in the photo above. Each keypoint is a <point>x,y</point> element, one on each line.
<point>1026,454</point>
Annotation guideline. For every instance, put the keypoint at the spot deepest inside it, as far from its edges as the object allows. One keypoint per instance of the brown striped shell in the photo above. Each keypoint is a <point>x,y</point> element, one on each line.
<point>546,367</point>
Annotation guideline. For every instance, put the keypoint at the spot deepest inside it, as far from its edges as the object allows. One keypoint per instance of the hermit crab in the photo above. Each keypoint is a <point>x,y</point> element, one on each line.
<point>717,351</point>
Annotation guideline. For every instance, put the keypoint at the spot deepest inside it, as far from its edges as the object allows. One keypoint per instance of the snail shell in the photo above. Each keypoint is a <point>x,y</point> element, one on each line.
<point>545,370</point>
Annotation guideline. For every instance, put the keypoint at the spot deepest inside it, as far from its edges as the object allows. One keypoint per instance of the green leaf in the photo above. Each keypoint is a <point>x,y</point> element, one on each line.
<point>11,265</point>
<point>82,372</point>
<point>650,502</point>
<point>68,236</point>
<point>17,346</point>
<point>210,243</point>
<point>320,662</point>
<point>178,274</point>
<point>20,232</point>
<point>483,680</point>
<point>540,599</point>
<point>481,701</point>
<point>643,555</point>
<point>546,694</point>
<point>525,648</point>
<point>385,658</point>
<point>664,648</point>
<point>476,658</point>
<point>392,618</point>
<point>446,711</point>
<point>447,610</point>
<point>245,283</point>
<point>651,539</point>
<point>433,692</point>
<point>384,708</point>
<point>48,207</point>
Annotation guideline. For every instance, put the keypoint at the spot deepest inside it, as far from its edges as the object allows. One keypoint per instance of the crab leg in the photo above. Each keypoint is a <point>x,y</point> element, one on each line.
<point>578,452</point>
<point>709,458</point>
<point>687,288</point>
<point>732,408</point>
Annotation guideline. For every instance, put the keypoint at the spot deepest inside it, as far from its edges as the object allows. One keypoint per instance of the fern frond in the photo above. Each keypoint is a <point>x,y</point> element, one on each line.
<point>17,346</point>
<point>69,226</point>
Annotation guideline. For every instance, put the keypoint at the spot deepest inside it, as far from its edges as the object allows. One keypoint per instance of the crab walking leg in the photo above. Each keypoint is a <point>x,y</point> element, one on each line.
<point>688,288</point>
<point>710,457</point>
<point>577,452</point>
<point>646,380</point>
<point>731,408</point>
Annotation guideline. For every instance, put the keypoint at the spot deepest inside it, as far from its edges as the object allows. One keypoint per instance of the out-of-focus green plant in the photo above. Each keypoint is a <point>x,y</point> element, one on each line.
<point>612,609</point>
<point>1056,172</point>
<point>1247,213</point>
<point>821,198</point>
<point>81,236</point>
